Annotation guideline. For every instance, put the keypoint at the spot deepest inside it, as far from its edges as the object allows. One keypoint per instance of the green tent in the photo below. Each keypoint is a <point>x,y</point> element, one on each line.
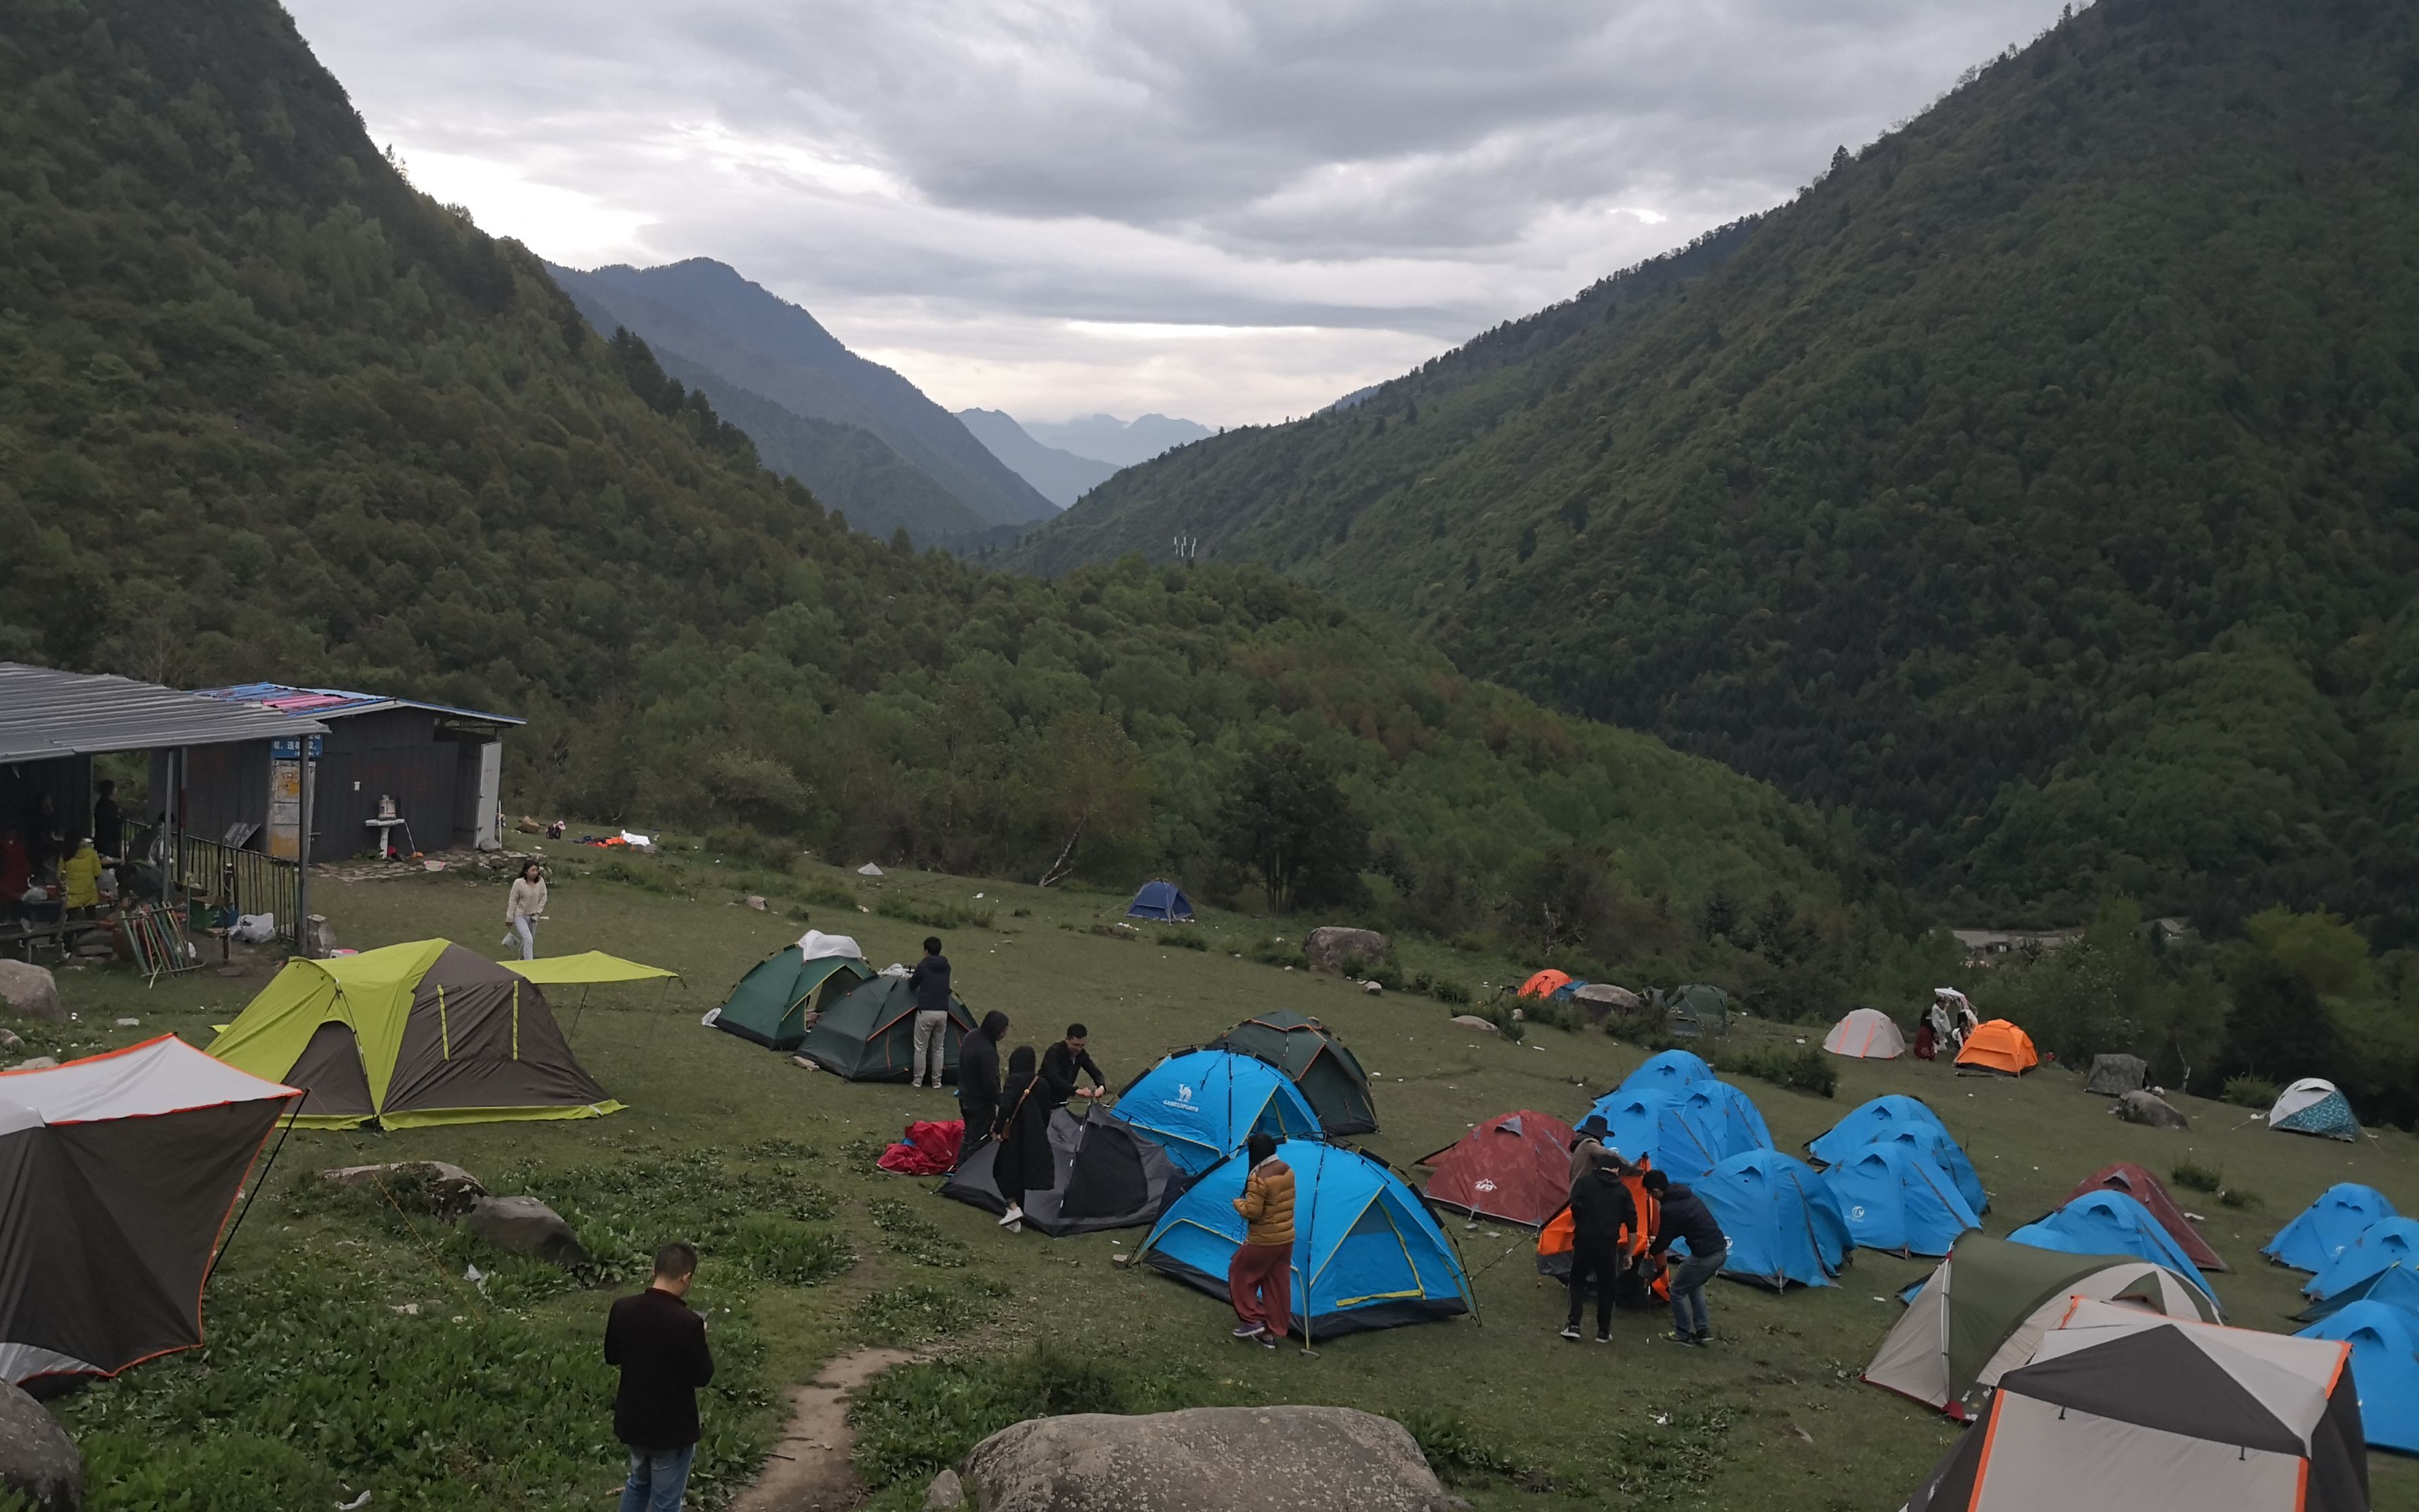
<point>1328,1076</point>
<point>771,1003</point>
<point>1696,1010</point>
<point>869,1034</point>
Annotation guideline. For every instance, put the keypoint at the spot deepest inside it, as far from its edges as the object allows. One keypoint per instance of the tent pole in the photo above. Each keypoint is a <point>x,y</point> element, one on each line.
<point>254,1193</point>
<point>577,1009</point>
<point>303,855</point>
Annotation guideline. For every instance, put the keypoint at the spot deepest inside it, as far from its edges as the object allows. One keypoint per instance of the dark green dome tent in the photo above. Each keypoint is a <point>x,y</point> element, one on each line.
<point>771,1003</point>
<point>1328,1075</point>
<point>869,1034</point>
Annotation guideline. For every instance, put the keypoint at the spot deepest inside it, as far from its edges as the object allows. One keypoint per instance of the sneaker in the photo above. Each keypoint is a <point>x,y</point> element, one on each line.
<point>1677,1337</point>
<point>1571,1331</point>
<point>1016,1227</point>
<point>1705,1335</point>
<point>1009,1219</point>
<point>1268,1340</point>
<point>1604,1339</point>
<point>1250,1331</point>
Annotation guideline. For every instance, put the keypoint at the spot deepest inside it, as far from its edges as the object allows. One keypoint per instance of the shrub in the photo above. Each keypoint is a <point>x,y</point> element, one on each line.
<point>2197,1178</point>
<point>832,894</point>
<point>1448,992</point>
<point>1802,1067</point>
<point>1274,951</point>
<point>933,915</point>
<point>2251,1092</point>
<point>1179,939</point>
<point>1500,1015</point>
<point>743,844</point>
<point>2238,1197</point>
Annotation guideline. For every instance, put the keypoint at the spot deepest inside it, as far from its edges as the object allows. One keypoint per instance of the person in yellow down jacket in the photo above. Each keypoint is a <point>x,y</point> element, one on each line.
<point>1259,1278</point>
<point>80,875</point>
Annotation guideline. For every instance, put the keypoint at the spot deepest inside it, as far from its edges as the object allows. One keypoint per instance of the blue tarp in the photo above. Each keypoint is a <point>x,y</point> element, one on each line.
<point>1876,1120</point>
<point>1685,1132</point>
<point>2384,1369</point>
<point>1202,1104</point>
<point>1163,901</point>
<point>1783,1223</point>
<point>2111,1223</point>
<point>2384,1243</point>
<point>1366,1253</point>
<point>2397,1286</point>
<point>2323,1230</point>
<point>1666,1072</point>
<point>1895,1197</point>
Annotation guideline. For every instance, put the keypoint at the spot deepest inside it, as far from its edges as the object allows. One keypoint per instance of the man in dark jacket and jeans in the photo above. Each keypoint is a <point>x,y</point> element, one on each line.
<point>1686,1216</point>
<point>979,1082</point>
<point>930,981</point>
<point>1602,1216</point>
<point>659,1343</point>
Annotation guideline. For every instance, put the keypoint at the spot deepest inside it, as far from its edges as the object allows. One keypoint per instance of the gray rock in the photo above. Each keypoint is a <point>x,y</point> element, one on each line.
<point>2115,1075</point>
<point>1330,943</point>
<point>38,1461</point>
<point>1472,1021</point>
<point>429,1186</point>
<point>2145,1108</point>
<point>525,1226</point>
<point>1300,1459</point>
<point>30,990</point>
<point>8,1039</point>
<point>38,1063</point>
<point>945,1495</point>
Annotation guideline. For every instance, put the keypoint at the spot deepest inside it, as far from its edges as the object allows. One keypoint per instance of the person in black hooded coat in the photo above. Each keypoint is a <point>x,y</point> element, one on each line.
<point>978,1082</point>
<point>1023,1162</point>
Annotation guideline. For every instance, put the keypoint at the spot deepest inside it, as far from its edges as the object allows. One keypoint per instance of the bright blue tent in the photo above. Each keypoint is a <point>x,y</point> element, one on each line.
<point>1783,1223</point>
<point>1934,1143</point>
<point>1366,1253</point>
<point>1202,1104</point>
<point>1896,1198</point>
<point>1163,901</point>
<point>2381,1245</point>
<point>1730,1114</point>
<point>2397,1286</point>
<point>1666,1072</point>
<point>2323,1229</point>
<point>2384,1369</point>
<point>1682,1136</point>
<point>2111,1223</point>
<point>1876,1120</point>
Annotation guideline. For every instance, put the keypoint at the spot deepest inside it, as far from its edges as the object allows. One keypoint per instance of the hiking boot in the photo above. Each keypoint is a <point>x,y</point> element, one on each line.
<point>1250,1331</point>
<point>1571,1331</point>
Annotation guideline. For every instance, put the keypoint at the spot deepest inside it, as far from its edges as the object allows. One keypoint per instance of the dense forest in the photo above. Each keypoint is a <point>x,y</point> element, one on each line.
<point>2039,483</point>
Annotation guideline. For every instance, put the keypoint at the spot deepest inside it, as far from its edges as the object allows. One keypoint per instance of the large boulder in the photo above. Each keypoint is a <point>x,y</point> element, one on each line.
<point>1331,945</point>
<point>1204,1459</point>
<point>2149,1108</point>
<point>38,1461</point>
<point>2116,1076</point>
<point>429,1186</point>
<point>30,990</point>
<point>525,1226</point>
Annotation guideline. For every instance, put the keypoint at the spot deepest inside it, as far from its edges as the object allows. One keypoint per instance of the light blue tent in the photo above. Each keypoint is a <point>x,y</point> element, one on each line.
<point>1783,1223</point>
<point>1729,1113</point>
<point>1202,1104</point>
<point>1666,1072</point>
<point>1366,1253</point>
<point>2397,1286</point>
<point>1863,1124</point>
<point>2326,1227</point>
<point>1676,1133</point>
<point>1163,901</point>
<point>2382,1243</point>
<point>1896,1198</point>
<point>1934,1143</point>
<point>2111,1223</point>
<point>2384,1369</point>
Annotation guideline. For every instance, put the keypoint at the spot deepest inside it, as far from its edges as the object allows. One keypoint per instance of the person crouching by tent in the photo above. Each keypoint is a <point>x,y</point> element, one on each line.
<point>1685,1215</point>
<point>1259,1278</point>
<point>522,907</point>
<point>930,981</point>
<point>979,1082</point>
<point>1602,1219</point>
<point>1023,1160</point>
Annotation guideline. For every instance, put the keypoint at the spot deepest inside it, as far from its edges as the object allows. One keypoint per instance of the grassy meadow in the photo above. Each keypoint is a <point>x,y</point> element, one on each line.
<point>348,1352</point>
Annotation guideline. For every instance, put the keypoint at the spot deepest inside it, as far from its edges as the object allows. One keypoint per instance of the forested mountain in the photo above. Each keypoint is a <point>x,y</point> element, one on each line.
<point>706,315</point>
<point>1062,477</point>
<point>267,413</point>
<point>2040,481</point>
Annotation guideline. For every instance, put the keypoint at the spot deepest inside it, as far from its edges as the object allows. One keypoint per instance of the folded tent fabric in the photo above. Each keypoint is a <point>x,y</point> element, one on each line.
<point>2143,1187</point>
<point>2384,1342</point>
<point>927,1147</point>
<point>2385,1242</point>
<point>2110,1223</point>
<point>2324,1229</point>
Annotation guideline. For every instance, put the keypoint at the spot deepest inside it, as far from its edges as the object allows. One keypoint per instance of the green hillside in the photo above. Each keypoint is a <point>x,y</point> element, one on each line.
<point>2040,481</point>
<point>266,412</point>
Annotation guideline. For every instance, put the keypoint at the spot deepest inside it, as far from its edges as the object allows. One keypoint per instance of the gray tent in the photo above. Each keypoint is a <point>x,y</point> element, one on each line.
<point>2116,1076</point>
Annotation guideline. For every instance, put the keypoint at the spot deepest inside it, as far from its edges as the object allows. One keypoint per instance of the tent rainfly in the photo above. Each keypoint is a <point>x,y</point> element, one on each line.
<point>1327,1073</point>
<point>2384,1342</point>
<point>2397,1286</point>
<point>590,968</point>
<point>2146,1189</point>
<point>1163,901</point>
<point>1685,1132</point>
<point>1667,1071</point>
<point>1894,1198</point>
<point>2327,1226</point>
<point>2384,1244</point>
<point>1515,1168</point>
<point>773,1002</point>
<point>1868,1121</point>
<point>119,1173</point>
<point>868,1033</point>
<point>1545,984</point>
<point>1202,1104</point>
<point>1106,1175</point>
<point>1784,1225</point>
<point>1865,1034</point>
<point>2311,1106</point>
<point>2110,1223</point>
<point>1998,1048</point>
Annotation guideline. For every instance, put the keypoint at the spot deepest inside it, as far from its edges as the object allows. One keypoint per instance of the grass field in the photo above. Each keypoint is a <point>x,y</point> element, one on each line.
<point>315,1386</point>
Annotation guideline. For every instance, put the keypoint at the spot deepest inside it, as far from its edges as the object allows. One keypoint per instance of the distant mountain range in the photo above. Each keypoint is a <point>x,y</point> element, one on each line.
<point>1061,476</point>
<point>1121,443</point>
<point>863,438</point>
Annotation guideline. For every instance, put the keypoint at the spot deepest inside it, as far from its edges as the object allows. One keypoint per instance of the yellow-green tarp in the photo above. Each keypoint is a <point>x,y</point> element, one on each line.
<point>587,968</point>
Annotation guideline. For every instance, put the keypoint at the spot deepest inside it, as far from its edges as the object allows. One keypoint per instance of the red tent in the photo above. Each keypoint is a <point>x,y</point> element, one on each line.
<point>1515,1168</point>
<point>2144,1188</point>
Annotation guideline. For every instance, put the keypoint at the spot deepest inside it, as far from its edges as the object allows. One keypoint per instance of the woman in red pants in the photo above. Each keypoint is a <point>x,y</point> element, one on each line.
<point>1261,1276</point>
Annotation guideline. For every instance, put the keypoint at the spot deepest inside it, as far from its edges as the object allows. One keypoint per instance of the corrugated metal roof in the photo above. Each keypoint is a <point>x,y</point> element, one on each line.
<point>45,713</point>
<point>336,704</point>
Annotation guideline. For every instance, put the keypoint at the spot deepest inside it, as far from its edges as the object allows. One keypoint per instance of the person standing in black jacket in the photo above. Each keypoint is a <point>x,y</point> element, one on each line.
<point>930,981</point>
<point>1024,1162</point>
<point>979,1082</point>
<point>1602,1216</point>
<point>1062,1062</point>
<point>659,1344</point>
<point>1686,1216</point>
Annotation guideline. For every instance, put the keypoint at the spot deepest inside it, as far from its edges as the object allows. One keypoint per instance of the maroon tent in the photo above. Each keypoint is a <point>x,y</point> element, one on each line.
<point>2144,1188</point>
<point>1516,1167</point>
<point>118,1173</point>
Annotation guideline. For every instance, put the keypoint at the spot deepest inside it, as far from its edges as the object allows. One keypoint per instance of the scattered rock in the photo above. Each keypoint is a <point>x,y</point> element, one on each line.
<point>1472,1021</point>
<point>525,1226</point>
<point>8,1039</point>
<point>38,1063</point>
<point>755,902</point>
<point>129,1024</point>
<point>2116,1076</point>
<point>30,990</point>
<point>1520,1015</point>
<point>429,1186</point>
<point>945,1495</point>
<point>1330,944</point>
<point>38,1461</point>
<point>2142,1107</point>
<point>1373,987</point>
<point>1301,1460</point>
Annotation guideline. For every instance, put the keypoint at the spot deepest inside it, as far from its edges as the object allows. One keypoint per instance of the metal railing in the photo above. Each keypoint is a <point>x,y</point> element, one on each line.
<point>245,880</point>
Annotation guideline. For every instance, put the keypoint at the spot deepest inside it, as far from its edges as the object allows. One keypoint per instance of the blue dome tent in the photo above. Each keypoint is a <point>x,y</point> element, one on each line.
<point>2326,1227</point>
<point>1201,1104</point>
<point>1784,1225</point>
<point>2397,1286</point>
<point>1666,1072</point>
<point>1162,900</point>
<point>1729,1113</point>
<point>1366,1252</point>
<point>1876,1120</point>
<point>2384,1369</point>
<point>2111,1223</point>
<point>1683,1138</point>
<point>2382,1243</point>
<point>1933,1143</point>
<point>1896,1198</point>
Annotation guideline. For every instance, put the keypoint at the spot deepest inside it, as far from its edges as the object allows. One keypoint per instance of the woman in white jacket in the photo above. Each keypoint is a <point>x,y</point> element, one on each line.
<point>521,910</point>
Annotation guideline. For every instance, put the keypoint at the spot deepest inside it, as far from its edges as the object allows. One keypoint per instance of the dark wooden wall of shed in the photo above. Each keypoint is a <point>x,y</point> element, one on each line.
<point>396,754</point>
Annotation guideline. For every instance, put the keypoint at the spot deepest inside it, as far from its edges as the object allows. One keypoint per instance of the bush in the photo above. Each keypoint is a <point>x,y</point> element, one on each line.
<point>742,844</point>
<point>2197,1178</point>
<point>1179,939</point>
<point>2238,1197</point>
<point>1500,1015</point>
<point>833,895</point>
<point>1801,1067</point>
<point>1448,992</point>
<point>933,915</point>
<point>1274,951</point>
<point>2251,1092</point>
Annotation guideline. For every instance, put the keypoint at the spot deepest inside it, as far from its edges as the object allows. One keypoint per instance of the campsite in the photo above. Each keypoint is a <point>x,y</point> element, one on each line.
<point>429,1389</point>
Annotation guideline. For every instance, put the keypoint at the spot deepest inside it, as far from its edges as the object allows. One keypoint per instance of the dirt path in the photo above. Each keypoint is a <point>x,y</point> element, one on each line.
<point>810,1469</point>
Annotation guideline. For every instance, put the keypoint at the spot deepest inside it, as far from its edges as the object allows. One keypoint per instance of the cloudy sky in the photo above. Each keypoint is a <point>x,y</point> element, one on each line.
<point>1233,210</point>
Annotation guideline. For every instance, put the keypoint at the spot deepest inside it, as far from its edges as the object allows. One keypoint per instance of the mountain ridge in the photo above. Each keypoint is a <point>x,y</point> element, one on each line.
<point>1061,476</point>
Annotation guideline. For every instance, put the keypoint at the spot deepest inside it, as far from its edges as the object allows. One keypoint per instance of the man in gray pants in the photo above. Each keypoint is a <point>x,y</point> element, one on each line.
<point>930,981</point>
<point>1686,1216</point>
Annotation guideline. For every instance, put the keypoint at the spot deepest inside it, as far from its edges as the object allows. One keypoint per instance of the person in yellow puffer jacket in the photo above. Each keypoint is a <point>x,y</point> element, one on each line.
<point>1259,1278</point>
<point>80,875</point>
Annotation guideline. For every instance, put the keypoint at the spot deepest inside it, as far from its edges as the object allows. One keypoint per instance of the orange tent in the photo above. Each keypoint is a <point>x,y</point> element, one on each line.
<point>1998,1048</point>
<point>1545,984</point>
